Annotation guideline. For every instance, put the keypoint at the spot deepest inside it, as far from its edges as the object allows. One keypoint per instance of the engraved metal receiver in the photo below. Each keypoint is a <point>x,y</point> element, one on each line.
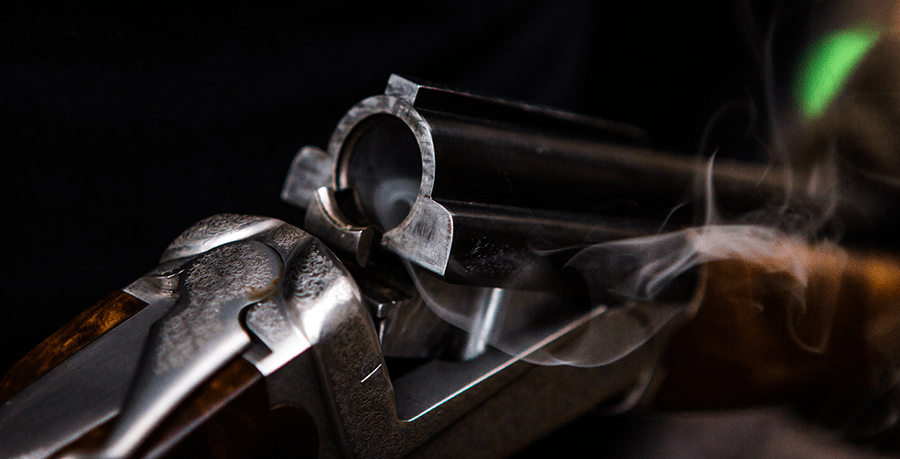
<point>349,358</point>
<point>255,305</point>
<point>230,287</point>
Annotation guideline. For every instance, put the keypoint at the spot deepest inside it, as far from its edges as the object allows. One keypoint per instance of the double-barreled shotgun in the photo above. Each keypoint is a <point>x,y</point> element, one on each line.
<point>427,305</point>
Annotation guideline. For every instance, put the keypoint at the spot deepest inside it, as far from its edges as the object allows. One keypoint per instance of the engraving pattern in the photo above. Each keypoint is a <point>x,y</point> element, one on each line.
<point>215,226</point>
<point>285,238</point>
<point>185,334</point>
<point>311,275</point>
<point>365,399</point>
<point>231,270</point>
<point>220,276</point>
<point>217,230</point>
<point>268,323</point>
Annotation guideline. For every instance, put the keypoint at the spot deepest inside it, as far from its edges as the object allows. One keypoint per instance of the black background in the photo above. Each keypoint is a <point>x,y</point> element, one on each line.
<point>123,124</point>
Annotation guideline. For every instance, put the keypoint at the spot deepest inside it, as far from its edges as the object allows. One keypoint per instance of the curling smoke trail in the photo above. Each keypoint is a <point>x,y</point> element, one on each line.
<point>628,280</point>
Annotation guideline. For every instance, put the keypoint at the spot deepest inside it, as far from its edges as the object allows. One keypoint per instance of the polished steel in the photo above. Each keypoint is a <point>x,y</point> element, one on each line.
<point>314,340</point>
<point>221,275</point>
<point>199,335</point>
<point>437,321</point>
<point>310,170</point>
<point>325,218</point>
<point>481,190</point>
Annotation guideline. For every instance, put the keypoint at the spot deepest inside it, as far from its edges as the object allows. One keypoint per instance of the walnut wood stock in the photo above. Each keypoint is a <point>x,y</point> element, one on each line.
<point>744,347</point>
<point>72,337</point>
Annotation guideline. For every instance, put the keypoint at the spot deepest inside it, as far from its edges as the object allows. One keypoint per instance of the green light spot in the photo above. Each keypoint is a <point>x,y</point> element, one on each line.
<point>827,65</point>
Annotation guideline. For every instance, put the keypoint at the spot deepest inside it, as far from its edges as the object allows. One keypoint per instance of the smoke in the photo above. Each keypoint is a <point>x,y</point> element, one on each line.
<point>641,269</point>
<point>643,288</point>
<point>640,288</point>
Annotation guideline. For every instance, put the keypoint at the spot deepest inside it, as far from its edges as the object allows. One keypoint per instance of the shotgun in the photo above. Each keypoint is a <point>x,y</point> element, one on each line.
<point>426,302</point>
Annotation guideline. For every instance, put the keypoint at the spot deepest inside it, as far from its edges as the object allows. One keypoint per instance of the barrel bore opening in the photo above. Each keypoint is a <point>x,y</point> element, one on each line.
<point>382,163</point>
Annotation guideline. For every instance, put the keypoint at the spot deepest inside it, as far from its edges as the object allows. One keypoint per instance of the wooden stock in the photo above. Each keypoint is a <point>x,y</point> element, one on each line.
<point>72,337</point>
<point>759,337</point>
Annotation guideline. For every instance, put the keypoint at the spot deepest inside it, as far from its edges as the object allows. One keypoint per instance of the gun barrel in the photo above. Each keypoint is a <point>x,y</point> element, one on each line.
<point>484,191</point>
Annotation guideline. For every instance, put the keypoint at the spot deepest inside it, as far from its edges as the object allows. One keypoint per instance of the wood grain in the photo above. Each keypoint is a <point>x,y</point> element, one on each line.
<point>757,339</point>
<point>72,337</point>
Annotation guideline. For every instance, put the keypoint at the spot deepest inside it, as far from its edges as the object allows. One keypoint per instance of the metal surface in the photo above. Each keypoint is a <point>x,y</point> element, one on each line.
<point>317,346</point>
<point>140,370</point>
<point>326,218</point>
<point>438,403</point>
<point>198,336</point>
<point>465,185</point>
<point>477,198</point>
<point>82,392</point>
